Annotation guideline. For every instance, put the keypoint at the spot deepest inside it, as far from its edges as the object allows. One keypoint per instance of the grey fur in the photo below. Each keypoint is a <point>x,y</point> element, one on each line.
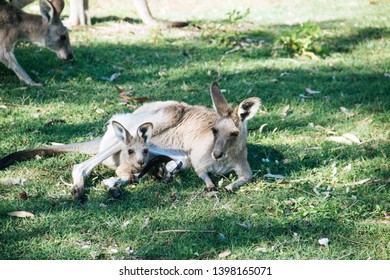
<point>46,30</point>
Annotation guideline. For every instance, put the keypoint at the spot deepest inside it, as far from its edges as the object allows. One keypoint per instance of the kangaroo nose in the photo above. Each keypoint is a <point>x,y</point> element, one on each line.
<point>140,162</point>
<point>217,155</point>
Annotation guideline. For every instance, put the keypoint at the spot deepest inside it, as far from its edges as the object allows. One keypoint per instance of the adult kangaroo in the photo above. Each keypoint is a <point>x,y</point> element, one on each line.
<point>46,30</point>
<point>213,141</point>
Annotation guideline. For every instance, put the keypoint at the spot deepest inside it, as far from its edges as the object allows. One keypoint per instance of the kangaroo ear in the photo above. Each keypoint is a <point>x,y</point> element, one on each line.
<point>58,5</point>
<point>248,108</point>
<point>220,104</point>
<point>121,133</point>
<point>145,131</point>
<point>47,10</point>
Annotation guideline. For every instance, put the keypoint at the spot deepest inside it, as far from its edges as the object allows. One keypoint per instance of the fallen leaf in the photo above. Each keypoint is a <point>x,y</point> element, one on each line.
<point>120,68</point>
<point>312,92</point>
<point>365,121</point>
<point>233,50</point>
<point>387,75</point>
<point>146,223</point>
<point>63,90</point>
<point>265,160</point>
<point>243,225</point>
<point>221,236</point>
<point>315,190</point>
<point>113,250</point>
<point>327,130</point>
<point>261,249</point>
<point>56,144</point>
<point>285,110</point>
<point>351,137</point>
<point>188,89</point>
<point>339,139</point>
<point>121,90</point>
<point>361,182</point>
<point>3,106</point>
<point>112,78</point>
<point>274,176</point>
<point>274,81</point>
<point>23,195</point>
<point>323,242</point>
<point>348,167</point>
<point>12,181</point>
<point>311,55</point>
<point>142,99</point>
<point>21,214</point>
<point>125,224</point>
<point>346,112</point>
<point>224,254</point>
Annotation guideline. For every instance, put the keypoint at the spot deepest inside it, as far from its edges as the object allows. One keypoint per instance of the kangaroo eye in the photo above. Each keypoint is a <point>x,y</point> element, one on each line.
<point>214,130</point>
<point>146,151</point>
<point>130,152</point>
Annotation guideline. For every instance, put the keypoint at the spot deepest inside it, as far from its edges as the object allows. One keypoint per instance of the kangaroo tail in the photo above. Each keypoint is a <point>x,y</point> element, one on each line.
<point>90,147</point>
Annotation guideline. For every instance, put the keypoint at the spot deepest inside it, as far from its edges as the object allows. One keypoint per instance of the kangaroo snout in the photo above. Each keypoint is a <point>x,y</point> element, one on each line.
<point>65,55</point>
<point>217,155</point>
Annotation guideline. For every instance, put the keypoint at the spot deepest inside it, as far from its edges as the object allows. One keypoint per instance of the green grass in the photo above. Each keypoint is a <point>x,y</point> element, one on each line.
<point>264,219</point>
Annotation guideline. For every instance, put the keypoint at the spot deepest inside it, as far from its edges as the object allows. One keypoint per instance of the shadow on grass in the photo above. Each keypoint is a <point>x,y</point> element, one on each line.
<point>96,20</point>
<point>199,236</point>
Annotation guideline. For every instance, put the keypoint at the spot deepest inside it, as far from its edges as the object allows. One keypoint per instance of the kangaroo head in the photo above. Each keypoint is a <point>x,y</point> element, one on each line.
<point>135,152</point>
<point>230,128</point>
<point>57,37</point>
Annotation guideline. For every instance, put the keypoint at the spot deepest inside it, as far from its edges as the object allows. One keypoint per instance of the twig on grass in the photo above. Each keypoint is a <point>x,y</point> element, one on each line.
<point>185,231</point>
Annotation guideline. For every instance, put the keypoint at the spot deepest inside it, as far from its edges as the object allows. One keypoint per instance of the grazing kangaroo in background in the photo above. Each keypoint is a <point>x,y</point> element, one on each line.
<point>46,30</point>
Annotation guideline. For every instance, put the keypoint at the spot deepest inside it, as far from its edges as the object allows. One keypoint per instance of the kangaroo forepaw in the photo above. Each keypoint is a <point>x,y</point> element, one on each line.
<point>78,194</point>
<point>229,188</point>
<point>114,185</point>
<point>115,192</point>
<point>210,188</point>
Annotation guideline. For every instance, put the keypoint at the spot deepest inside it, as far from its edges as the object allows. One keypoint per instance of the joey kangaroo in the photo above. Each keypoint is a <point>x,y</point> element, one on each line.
<point>46,30</point>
